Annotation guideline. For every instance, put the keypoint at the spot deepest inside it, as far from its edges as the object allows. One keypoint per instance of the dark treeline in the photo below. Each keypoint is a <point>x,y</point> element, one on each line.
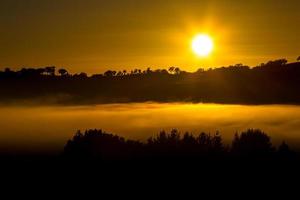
<point>249,145</point>
<point>273,82</point>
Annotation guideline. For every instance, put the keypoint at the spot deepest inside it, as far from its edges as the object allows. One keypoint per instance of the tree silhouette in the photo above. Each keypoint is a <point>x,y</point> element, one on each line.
<point>149,71</point>
<point>50,70</point>
<point>285,152</point>
<point>217,144</point>
<point>63,72</point>
<point>7,70</point>
<point>276,63</point>
<point>253,141</point>
<point>80,76</point>
<point>110,73</point>
<point>177,70</point>
<point>171,70</point>
<point>101,145</point>
<point>98,144</point>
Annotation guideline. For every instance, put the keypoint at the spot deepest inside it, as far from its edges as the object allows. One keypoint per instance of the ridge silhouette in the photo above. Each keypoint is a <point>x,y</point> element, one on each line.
<point>275,82</point>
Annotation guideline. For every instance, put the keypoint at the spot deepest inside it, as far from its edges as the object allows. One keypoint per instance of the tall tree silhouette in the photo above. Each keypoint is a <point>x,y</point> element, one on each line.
<point>252,142</point>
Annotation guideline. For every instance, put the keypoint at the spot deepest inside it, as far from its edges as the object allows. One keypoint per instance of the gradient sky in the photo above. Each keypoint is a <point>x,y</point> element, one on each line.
<point>96,35</point>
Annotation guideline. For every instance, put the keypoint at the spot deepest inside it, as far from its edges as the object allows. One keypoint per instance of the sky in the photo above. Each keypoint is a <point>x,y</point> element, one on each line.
<point>96,35</point>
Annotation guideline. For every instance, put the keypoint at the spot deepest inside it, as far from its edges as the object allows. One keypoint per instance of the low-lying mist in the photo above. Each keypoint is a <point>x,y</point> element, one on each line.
<point>41,129</point>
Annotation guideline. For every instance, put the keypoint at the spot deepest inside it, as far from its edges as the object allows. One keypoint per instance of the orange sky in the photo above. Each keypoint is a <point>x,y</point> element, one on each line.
<point>96,35</point>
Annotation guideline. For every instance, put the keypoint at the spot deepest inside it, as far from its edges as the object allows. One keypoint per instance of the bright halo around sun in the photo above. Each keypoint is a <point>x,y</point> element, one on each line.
<point>202,45</point>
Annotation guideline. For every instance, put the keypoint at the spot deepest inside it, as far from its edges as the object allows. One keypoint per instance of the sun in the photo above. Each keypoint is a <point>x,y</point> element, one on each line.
<point>202,45</point>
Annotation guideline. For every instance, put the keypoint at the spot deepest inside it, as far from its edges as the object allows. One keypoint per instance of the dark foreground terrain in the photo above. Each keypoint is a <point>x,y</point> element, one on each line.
<point>96,146</point>
<point>95,159</point>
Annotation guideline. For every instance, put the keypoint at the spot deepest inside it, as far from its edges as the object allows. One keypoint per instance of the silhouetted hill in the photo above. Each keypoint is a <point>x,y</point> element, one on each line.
<point>275,82</point>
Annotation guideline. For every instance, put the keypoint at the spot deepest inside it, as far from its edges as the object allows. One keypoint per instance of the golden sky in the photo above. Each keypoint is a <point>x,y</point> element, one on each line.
<point>96,35</point>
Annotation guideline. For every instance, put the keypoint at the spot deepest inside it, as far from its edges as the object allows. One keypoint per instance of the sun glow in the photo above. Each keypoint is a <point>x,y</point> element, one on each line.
<point>202,45</point>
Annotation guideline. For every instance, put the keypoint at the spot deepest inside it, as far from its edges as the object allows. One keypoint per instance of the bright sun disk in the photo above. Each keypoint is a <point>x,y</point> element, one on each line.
<point>202,45</point>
